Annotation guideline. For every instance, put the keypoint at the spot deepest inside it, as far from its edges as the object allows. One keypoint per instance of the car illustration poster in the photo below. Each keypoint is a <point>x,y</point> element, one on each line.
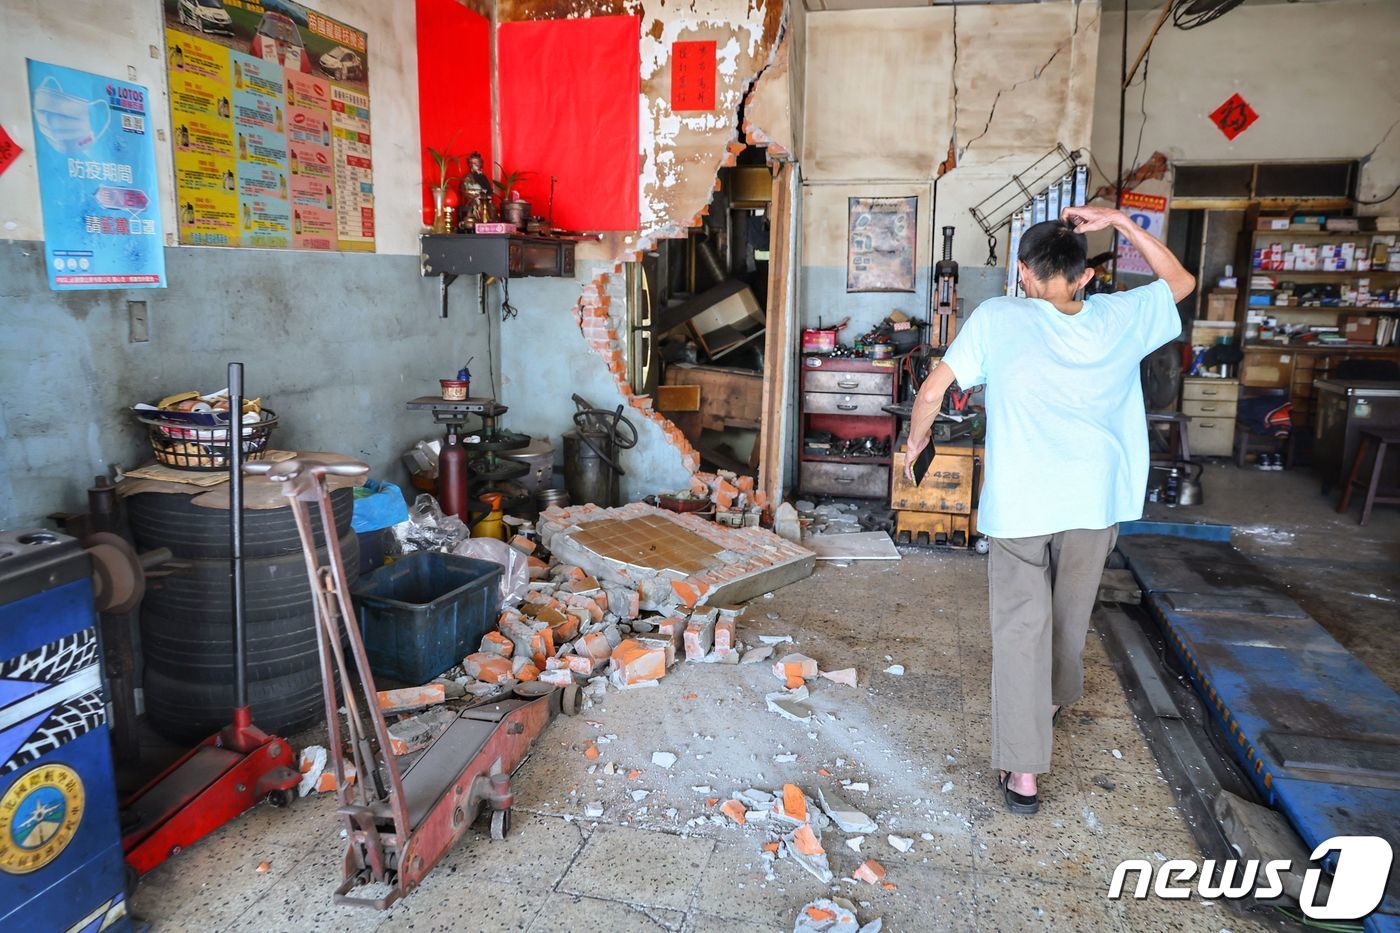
<point>97,180</point>
<point>270,117</point>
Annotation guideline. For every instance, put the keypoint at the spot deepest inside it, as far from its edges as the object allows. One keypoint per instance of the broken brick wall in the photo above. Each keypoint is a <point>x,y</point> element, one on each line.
<point>568,335</point>
<point>888,92</point>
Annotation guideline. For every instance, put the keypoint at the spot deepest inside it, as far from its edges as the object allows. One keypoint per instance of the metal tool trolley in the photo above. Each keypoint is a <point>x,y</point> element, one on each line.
<point>402,813</point>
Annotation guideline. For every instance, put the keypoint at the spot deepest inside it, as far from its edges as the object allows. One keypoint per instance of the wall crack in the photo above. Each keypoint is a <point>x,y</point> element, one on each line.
<point>991,114</point>
<point>953,143</point>
<point>1364,159</point>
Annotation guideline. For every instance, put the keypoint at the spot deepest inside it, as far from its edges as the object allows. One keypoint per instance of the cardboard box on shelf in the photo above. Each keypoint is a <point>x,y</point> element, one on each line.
<point>1220,305</point>
<point>1209,333</point>
<point>1359,328</point>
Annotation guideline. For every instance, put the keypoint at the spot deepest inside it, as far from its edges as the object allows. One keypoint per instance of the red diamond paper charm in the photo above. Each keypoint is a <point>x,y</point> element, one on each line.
<point>1234,116</point>
<point>9,150</point>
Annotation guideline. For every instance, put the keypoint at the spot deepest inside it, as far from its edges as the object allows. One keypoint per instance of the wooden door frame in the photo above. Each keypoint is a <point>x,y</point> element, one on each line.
<point>778,356</point>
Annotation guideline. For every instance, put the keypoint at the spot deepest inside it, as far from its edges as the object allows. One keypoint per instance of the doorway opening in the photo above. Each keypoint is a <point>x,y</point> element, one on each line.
<point>700,311</point>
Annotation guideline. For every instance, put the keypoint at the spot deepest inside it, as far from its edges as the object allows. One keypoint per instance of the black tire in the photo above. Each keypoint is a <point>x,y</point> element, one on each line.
<point>202,651</point>
<point>171,520</point>
<point>186,712</point>
<point>275,588</point>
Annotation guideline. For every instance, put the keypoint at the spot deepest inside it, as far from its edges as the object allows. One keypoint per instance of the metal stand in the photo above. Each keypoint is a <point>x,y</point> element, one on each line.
<point>402,814</point>
<point>486,469</point>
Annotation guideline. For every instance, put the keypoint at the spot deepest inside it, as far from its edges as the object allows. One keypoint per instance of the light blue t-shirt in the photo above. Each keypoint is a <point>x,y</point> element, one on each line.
<point>1066,428</point>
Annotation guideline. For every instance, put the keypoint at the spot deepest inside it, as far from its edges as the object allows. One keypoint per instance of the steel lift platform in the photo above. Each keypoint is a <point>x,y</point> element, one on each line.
<point>1315,731</point>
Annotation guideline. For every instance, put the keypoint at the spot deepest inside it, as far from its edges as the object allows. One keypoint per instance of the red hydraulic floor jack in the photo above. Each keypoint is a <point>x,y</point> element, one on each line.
<point>403,813</point>
<point>229,772</point>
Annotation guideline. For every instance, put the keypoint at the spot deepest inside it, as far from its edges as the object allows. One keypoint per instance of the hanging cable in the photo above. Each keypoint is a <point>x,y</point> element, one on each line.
<point>1142,108</point>
<point>508,310</point>
<point>1393,192</point>
<point>1193,14</point>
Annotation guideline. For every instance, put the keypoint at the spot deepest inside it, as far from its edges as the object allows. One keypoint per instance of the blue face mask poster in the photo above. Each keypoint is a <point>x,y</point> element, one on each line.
<point>97,180</point>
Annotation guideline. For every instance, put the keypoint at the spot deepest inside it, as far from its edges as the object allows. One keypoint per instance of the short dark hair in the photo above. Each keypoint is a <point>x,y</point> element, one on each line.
<point>1052,248</point>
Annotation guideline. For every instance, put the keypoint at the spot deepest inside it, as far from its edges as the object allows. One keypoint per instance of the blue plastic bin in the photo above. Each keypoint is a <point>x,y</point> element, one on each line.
<point>425,612</point>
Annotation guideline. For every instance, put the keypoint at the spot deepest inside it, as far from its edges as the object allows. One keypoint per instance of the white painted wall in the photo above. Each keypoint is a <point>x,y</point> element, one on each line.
<point>888,91</point>
<point>125,39</point>
<point>1324,78</point>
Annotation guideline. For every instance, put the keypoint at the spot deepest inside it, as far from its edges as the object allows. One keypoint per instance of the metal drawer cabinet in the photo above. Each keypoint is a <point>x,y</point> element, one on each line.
<point>829,403</point>
<point>817,380</point>
<point>861,480</point>
<point>1212,437</point>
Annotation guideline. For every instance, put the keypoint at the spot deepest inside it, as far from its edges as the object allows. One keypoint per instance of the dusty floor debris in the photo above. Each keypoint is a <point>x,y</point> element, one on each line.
<point>831,915</point>
<point>677,854</point>
<point>892,747</point>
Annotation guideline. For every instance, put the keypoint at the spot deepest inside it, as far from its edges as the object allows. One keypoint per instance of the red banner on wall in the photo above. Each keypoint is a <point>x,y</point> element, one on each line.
<point>454,85</point>
<point>693,76</point>
<point>569,97</point>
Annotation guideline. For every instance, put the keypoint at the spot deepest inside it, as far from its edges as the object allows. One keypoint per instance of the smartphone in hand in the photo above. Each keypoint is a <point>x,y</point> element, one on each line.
<point>922,462</point>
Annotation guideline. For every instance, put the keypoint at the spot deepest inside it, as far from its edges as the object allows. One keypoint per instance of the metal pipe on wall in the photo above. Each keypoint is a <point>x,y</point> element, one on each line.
<point>1122,115</point>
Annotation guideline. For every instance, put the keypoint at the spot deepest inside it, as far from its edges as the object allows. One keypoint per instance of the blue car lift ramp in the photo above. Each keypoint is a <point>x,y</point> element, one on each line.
<point>1316,732</point>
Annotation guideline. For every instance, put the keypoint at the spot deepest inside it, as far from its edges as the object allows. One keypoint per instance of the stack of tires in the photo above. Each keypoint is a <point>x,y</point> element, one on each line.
<point>187,616</point>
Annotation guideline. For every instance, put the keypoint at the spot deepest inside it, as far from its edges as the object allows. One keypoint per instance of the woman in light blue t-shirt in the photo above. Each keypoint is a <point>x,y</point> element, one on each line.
<point>1066,461</point>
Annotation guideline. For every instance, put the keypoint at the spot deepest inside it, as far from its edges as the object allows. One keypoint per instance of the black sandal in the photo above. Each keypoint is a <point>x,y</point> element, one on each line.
<point>1055,719</point>
<point>1020,804</point>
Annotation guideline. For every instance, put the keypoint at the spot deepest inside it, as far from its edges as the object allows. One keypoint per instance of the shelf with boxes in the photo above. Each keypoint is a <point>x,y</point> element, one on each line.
<point>1303,269</point>
<point>1313,292</point>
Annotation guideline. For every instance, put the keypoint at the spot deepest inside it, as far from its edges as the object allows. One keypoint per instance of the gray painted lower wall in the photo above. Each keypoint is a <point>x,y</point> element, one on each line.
<point>335,343</point>
<point>545,360</point>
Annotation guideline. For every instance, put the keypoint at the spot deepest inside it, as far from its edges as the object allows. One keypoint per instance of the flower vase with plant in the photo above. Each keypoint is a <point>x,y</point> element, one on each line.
<point>445,195</point>
<point>514,209</point>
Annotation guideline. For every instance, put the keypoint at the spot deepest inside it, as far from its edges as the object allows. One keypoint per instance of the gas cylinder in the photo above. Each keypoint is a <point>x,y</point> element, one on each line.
<point>452,476</point>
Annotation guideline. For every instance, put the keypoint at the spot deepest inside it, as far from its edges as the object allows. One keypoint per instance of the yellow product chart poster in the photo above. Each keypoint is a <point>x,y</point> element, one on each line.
<point>269,117</point>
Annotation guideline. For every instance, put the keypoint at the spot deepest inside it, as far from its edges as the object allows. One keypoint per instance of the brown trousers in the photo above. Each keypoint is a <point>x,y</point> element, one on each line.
<point>1042,590</point>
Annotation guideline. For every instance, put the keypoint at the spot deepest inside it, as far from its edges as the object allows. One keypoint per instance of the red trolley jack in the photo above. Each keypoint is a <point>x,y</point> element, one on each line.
<point>402,817</point>
<point>229,772</point>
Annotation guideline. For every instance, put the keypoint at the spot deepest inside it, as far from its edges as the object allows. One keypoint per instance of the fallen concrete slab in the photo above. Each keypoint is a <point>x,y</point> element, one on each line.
<point>672,558</point>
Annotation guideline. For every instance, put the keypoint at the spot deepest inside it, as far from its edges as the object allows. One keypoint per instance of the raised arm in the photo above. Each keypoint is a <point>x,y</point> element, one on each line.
<point>1164,265</point>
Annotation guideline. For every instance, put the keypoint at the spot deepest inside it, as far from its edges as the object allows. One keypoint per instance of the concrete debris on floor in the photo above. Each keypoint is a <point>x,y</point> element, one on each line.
<point>672,558</point>
<point>832,915</point>
<point>613,841</point>
<point>590,850</point>
<point>623,599</point>
<point>844,516</point>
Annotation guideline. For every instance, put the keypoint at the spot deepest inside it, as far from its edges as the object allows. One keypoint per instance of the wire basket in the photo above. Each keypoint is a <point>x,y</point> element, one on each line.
<point>184,445</point>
